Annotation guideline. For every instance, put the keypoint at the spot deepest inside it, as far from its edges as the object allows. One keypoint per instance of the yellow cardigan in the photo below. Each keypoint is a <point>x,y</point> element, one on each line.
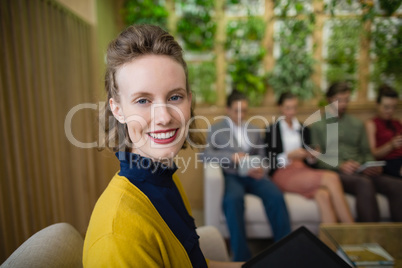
<point>126,230</point>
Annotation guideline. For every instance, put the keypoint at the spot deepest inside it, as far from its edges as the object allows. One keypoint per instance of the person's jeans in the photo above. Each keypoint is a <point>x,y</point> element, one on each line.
<point>233,207</point>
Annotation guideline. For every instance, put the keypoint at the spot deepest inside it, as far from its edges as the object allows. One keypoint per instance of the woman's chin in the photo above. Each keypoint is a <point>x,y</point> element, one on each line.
<point>158,154</point>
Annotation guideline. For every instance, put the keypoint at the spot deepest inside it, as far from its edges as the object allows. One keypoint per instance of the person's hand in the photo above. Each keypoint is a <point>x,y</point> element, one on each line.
<point>299,153</point>
<point>349,167</point>
<point>372,171</point>
<point>236,157</point>
<point>256,173</point>
<point>396,142</point>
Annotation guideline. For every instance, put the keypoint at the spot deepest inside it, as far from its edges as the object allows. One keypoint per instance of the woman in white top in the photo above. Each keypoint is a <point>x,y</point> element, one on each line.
<point>291,170</point>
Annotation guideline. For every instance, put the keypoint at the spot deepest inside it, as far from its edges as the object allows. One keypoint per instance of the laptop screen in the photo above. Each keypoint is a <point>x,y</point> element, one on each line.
<point>299,249</point>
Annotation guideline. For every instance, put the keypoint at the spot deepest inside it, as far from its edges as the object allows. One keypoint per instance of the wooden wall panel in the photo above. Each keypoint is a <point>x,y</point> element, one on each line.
<point>46,69</point>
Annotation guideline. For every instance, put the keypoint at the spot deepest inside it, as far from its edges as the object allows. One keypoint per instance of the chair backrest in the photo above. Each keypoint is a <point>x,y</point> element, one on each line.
<point>58,245</point>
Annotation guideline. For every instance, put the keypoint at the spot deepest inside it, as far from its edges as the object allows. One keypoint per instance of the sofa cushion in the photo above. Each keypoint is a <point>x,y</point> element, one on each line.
<point>301,209</point>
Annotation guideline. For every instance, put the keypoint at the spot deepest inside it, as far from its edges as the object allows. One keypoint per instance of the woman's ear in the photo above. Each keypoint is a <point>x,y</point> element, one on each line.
<point>117,111</point>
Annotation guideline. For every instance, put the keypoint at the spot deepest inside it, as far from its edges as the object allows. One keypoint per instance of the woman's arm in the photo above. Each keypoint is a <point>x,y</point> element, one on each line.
<point>381,151</point>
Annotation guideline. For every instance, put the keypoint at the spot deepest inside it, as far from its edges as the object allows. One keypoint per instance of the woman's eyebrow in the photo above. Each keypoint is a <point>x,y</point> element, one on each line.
<point>147,94</point>
<point>141,94</point>
<point>179,89</point>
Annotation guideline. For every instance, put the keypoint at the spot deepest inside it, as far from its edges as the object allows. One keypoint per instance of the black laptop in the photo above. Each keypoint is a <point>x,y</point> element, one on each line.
<point>299,249</point>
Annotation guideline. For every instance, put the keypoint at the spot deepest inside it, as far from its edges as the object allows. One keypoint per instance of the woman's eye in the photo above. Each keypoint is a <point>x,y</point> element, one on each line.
<point>142,101</point>
<point>175,98</point>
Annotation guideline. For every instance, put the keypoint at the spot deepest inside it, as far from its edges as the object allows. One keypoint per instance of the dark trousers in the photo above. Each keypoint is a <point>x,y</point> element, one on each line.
<point>364,188</point>
<point>393,167</point>
<point>233,207</point>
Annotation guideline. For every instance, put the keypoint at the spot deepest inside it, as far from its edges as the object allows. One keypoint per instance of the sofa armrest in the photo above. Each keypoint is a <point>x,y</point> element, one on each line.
<point>213,193</point>
<point>212,243</point>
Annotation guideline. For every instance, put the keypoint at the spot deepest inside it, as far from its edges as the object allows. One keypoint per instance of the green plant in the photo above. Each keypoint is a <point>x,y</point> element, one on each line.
<point>196,27</point>
<point>287,6</point>
<point>367,6</point>
<point>243,44</point>
<point>387,47</point>
<point>342,48</point>
<point>202,77</point>
<point>248,76</point>
<point>145,11</point>
<point>295,65</point>
<point>246,30</point>
<point>390,6</point>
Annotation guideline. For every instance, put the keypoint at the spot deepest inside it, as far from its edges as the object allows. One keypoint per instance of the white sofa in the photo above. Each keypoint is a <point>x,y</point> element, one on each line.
<point>302,211</point>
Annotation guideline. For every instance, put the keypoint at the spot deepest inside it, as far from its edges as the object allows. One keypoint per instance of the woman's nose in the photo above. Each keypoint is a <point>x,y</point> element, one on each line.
<point>162,114</point>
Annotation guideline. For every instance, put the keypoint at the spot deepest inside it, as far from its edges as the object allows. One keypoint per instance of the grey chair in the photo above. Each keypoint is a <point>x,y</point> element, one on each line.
<point>58,245</point>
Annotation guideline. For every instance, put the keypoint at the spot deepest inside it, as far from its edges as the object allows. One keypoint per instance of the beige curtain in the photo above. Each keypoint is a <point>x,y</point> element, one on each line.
<point>46,69</point>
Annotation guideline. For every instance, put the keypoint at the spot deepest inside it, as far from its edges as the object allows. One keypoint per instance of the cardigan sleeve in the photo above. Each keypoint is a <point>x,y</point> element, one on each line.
<point>114,251</point>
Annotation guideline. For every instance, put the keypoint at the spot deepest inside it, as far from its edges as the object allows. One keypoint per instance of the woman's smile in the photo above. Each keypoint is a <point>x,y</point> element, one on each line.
<point>163,136</point>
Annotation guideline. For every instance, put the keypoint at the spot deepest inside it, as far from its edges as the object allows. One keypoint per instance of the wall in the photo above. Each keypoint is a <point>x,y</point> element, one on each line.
<point>85,9</point>
<point>51,63</point>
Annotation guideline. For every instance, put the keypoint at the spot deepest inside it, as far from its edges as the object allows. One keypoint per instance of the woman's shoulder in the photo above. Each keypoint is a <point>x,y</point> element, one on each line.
<point>123,220</point>
<point>371,122</point>
<point>120,204</point>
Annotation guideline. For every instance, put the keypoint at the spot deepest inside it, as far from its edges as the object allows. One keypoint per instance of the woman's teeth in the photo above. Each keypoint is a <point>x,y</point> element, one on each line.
<point>162,136</point>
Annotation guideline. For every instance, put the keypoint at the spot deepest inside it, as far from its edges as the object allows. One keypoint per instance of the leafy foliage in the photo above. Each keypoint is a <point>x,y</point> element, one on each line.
<point>390,6</point>
<point>145,12</point>
<point>245,68</point>
<point>343,46</point>
<point>387,46</point>
<point>295,65</point>
<point>202,76</point>
<point>239,31</point>
<point>196,27</point>
<point>386,37</point>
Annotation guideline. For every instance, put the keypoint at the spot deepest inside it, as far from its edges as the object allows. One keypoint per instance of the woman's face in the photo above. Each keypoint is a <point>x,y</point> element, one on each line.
<point>155,105</point>
<point>289,108</point>
<point>387,107</point>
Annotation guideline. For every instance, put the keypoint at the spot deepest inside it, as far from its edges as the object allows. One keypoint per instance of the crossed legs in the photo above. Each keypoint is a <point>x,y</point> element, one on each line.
<point>331,200</point>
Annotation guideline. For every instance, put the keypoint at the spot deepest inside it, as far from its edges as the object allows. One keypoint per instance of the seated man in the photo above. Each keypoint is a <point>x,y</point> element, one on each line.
<point>229,141</point>
<point>352,151</point>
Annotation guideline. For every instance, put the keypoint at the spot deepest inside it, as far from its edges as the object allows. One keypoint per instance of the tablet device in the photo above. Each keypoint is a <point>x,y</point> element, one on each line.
<point>371,164</point>
<point>299,249</point>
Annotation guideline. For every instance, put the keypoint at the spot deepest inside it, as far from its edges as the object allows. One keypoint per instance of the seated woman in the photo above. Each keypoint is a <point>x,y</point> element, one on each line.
<point>384,132</point>
<point>143,219</point>
<point>291,171</point>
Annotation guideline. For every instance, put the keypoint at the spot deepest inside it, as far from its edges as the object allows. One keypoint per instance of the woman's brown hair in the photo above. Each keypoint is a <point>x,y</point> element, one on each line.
<point>386,91</point>
<point>285,96</point>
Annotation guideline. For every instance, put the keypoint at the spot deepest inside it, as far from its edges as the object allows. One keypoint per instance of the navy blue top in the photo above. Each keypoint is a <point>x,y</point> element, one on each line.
<point>155,180</point>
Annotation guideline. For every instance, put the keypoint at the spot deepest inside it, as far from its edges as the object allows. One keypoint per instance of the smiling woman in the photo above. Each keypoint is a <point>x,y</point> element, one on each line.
<point>143,217</point>
<point>154,104</point>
